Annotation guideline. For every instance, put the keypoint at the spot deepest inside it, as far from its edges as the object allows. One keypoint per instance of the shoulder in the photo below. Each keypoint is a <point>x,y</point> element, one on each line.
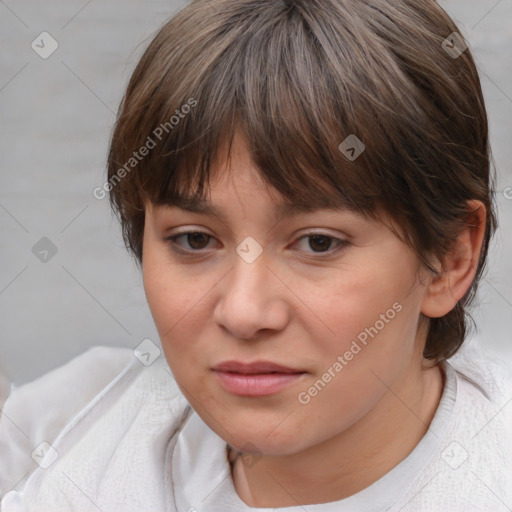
<point>471,468</point>
<point>41,408</point>
<point>69,386</point>
<point>102,362</point>
<point>484,413</point>
<point>484,385</point>
<point>111,436</point>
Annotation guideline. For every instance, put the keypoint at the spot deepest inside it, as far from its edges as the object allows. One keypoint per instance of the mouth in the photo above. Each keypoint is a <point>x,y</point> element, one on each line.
<point>259,378</point>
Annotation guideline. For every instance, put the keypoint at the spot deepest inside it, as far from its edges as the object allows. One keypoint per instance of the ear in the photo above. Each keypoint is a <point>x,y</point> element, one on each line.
<point>460,265</point>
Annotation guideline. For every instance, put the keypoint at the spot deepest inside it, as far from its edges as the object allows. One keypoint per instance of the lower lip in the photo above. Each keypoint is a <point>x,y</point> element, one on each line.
<point>256,384</point>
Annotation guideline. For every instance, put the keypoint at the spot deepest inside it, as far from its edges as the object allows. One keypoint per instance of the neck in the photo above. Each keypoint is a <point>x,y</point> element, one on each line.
<point>352,460</point>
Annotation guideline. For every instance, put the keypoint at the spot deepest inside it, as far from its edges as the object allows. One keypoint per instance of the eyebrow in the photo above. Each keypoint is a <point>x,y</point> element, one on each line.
<point>285,209</point>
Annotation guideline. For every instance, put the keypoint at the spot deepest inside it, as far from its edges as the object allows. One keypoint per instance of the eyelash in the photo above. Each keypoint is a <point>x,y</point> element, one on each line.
<point>341,244</point>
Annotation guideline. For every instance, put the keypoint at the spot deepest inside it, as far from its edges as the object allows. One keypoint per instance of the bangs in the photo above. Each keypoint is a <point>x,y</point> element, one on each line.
<point>272,82</point>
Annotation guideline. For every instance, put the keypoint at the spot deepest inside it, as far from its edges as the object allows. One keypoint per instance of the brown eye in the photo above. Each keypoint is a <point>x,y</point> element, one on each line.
<point>198,240</point>
<point>320,243</point>
<point>195,241</point>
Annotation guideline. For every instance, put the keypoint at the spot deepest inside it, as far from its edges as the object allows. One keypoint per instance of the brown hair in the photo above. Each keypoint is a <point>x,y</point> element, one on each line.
<point>297,77</point>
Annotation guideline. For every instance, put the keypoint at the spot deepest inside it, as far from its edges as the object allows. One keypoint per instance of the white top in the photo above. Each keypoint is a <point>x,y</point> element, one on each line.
<point>106,433</point>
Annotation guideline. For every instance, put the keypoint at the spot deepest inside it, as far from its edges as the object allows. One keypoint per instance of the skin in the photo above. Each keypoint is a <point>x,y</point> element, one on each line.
<point>298,306</point>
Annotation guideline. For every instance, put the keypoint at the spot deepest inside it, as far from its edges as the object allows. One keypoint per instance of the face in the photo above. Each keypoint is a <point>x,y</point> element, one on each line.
<point>329,295</point>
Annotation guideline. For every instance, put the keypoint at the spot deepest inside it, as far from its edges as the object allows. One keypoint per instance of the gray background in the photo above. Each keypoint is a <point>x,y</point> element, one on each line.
<point>57,114</point>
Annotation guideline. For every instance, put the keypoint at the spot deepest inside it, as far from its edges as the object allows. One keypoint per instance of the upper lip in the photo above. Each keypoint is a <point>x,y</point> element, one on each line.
<point>254,367</point>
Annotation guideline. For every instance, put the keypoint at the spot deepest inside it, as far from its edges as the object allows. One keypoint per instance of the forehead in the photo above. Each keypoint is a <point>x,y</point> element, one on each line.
<point>234,170</point>
<point>282,208</point>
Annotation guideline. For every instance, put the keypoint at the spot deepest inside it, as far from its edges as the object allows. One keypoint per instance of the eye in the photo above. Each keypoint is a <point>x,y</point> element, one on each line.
<point>196,241</point>
<point>322,243</point>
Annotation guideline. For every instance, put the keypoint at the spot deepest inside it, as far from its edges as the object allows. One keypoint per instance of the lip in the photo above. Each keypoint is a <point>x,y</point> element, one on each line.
<point>259,378</point>
<point>254,368</point>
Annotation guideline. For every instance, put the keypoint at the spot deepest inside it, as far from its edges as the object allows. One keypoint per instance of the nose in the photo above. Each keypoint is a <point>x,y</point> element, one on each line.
<point>252,300</point>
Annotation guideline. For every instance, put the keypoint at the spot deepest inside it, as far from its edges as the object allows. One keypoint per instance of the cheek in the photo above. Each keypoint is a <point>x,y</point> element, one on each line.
<point>172,300</point>
<point>171,289</point>
<point>366,302</point>
<point>178,325</point>
<point>372,317</point>
<point>178,301</point>
<point>358,365</point>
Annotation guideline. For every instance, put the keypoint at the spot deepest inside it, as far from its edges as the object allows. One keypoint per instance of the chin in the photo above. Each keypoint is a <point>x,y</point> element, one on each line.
<point>264,441</point>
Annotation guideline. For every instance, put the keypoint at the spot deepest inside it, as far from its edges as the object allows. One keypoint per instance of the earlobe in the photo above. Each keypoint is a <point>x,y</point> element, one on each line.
<point>459,266</point>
